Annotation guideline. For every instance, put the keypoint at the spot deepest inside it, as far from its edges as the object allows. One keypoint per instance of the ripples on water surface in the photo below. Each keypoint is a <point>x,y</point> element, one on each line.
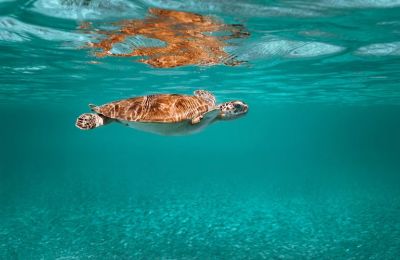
<point>310,172</point>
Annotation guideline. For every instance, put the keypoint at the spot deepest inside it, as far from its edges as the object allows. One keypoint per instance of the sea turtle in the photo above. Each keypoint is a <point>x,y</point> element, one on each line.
<point>165,114</point>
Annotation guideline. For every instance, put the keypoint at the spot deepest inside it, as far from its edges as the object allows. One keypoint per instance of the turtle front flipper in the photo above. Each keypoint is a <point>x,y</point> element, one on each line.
<point>206,118</point>
<point>196,120</point>
<point>206,96</point>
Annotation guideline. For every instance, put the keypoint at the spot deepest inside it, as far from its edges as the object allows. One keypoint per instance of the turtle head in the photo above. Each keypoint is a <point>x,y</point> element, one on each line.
<point>233,109</point>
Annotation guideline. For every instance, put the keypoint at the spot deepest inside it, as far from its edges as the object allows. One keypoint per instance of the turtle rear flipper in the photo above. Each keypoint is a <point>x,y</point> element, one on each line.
<point>89,121</point>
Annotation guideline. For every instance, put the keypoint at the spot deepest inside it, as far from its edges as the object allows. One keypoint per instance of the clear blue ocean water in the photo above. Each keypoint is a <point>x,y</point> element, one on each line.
<point>312,172</point>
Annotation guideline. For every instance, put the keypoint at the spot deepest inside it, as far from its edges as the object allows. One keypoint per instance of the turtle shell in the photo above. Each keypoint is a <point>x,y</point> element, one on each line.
<point>161,108</point>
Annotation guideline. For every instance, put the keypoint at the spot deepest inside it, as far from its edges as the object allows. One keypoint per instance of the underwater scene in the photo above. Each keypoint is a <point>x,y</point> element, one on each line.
<point>209,129</point>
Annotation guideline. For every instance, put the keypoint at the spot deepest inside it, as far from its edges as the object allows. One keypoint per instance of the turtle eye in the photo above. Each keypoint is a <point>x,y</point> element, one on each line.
<point>237,106</point>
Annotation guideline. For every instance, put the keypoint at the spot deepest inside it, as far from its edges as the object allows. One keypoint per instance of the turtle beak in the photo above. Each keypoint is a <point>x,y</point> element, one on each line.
<point>245,108</point>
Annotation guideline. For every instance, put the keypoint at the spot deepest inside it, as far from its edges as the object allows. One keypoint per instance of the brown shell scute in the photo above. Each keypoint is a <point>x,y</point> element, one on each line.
<point>164,108</point>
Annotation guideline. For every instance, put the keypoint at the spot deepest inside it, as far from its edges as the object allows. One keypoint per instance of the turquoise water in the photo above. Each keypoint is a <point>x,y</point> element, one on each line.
<point>312,172</point>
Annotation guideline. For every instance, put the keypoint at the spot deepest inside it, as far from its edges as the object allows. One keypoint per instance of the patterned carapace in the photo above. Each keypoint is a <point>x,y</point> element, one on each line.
<point>166,108</point>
